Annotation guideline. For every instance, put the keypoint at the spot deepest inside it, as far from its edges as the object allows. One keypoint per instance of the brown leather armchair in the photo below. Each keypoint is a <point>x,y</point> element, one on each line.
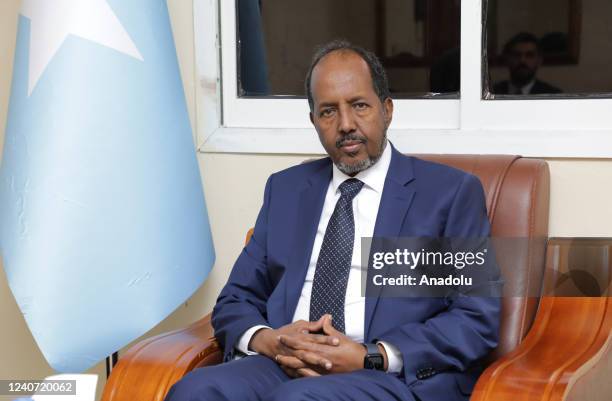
<point>564,355</point>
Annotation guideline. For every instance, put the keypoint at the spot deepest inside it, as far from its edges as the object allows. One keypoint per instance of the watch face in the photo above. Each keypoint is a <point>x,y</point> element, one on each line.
<point>375,362</point>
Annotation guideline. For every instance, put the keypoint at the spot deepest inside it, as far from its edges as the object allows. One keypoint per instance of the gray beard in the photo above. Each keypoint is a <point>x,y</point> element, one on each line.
<point>352,169</point>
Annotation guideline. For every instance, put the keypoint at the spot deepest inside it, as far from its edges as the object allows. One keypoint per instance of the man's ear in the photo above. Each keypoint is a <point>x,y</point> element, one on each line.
<point>388,110</point>
<point>311,117</point>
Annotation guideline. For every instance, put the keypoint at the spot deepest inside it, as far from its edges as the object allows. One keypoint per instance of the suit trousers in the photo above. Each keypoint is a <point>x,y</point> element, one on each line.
<point>258,378</point>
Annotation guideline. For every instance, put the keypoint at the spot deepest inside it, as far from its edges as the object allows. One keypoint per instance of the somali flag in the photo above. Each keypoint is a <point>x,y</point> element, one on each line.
<point>103,225</point>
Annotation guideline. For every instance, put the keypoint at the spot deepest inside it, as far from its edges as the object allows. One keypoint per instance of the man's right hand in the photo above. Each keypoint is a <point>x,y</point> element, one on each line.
<point>266,342</point>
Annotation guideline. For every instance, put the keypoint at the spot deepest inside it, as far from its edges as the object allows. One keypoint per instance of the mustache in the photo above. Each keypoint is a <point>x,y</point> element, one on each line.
<point>350,137</point>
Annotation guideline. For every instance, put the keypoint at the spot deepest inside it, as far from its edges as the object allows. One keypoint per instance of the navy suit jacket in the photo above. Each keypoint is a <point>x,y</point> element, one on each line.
<point>441,339</point>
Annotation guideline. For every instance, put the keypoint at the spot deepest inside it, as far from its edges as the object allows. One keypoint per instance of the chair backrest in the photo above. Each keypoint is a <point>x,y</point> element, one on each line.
<point>517,194</point>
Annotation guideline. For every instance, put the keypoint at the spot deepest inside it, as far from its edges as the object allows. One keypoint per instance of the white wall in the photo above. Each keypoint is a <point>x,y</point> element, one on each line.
<point>580,203</point>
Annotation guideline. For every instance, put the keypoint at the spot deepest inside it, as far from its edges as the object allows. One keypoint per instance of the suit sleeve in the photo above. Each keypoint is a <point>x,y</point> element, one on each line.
<point>242,301</point>
<point>469,328</point>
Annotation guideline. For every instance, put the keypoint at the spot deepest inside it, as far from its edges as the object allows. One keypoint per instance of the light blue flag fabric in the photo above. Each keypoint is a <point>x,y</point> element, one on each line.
<point>103,228</point>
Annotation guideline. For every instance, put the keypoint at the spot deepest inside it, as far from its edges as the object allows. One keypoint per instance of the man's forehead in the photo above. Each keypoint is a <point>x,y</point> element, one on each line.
<point>340,73</point>
<point>339,60</point>
<point>525,45</point>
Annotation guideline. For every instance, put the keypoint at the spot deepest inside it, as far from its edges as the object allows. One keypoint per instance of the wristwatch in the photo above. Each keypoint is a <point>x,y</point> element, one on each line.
<point>373,359</point>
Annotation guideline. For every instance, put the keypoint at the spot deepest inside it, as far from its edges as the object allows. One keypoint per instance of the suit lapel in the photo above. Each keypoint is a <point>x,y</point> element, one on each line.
<point>394,204</point>
<point>310,205</point>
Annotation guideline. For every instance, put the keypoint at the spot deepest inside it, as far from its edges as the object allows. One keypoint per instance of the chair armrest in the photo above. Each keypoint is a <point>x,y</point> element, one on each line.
<point>148,369</point>
<point>567,354</point>
<point>569,343</point>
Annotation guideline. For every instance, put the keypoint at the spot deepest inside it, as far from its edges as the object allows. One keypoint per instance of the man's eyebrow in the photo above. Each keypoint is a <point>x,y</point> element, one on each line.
<point>356,99</point>
<point>351,100</point>
<point>327,104</point>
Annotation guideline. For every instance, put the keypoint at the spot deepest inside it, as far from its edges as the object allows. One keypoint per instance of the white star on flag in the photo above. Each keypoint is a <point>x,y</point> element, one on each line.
<point>52,21</point>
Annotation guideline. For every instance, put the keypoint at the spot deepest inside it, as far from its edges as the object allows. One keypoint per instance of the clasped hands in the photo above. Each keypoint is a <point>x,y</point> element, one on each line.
<point>307,349</point>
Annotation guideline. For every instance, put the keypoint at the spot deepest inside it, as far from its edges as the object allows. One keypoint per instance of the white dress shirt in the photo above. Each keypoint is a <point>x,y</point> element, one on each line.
<point>365,210</point>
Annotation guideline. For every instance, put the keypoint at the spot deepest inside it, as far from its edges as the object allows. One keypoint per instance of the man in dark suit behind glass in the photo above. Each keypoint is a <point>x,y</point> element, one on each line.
<point>523,56</point>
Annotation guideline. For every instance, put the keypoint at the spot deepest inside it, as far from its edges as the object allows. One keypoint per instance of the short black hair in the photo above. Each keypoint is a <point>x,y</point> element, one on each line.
<point>522,37</point>
<point>377,71</point>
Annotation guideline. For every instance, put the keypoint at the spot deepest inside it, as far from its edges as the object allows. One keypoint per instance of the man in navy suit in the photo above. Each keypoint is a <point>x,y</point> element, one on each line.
<point>292,320</point>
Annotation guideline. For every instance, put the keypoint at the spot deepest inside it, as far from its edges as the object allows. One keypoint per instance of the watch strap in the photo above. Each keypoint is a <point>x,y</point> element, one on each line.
<point>371,348</point>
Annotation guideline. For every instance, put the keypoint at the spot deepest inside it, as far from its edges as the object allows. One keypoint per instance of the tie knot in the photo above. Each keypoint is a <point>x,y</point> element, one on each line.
<point>350,188</point>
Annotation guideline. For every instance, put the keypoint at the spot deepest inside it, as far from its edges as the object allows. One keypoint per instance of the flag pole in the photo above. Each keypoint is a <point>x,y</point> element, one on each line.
<point>111,361</point>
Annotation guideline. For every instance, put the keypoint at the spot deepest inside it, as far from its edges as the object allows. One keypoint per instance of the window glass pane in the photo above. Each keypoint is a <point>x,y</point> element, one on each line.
<point>417,41</point>
<point>544,48</point>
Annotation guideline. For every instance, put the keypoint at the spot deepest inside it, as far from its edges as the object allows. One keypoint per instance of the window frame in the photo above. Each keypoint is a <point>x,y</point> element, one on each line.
<point>228,124</point>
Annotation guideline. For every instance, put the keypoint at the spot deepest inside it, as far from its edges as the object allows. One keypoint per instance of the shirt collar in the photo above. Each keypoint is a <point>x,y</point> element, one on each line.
<point>521,90</point>
<point>373,177</point>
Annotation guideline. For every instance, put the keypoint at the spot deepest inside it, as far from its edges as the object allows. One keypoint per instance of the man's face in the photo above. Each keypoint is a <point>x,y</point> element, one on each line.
<point>349,117</point>
<point>523,61</point>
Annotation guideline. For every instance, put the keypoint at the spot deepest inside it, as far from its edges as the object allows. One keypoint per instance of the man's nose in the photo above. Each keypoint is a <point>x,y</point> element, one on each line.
<point>346,122</point>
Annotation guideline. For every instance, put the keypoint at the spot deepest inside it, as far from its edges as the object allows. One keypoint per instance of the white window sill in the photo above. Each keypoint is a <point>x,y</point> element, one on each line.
<point>528,143</point>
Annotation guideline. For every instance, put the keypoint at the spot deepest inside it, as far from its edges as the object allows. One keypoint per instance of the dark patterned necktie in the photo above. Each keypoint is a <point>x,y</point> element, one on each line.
<point>334,262</point>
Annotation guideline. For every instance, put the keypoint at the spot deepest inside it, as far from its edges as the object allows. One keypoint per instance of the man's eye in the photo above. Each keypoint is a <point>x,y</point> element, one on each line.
<point>360,106</point>
<point>327,112</point>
